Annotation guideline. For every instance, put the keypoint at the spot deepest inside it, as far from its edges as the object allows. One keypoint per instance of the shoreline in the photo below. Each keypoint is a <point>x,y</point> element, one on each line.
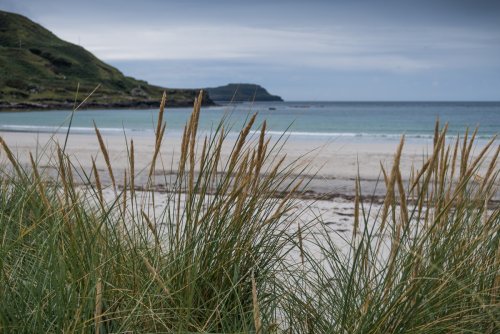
<point>138,105</point>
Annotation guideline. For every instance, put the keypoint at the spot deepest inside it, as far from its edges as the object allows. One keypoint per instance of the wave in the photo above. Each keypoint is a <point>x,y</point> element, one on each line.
<point>297,134</point>
<point>60,129</point>
<point>364,135</point>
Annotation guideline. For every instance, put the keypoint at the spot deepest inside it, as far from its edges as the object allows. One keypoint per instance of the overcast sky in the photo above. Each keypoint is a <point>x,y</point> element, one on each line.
<point>301,50</point>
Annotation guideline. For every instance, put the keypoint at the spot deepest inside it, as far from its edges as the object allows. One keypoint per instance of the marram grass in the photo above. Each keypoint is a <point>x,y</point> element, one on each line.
<point>220,257</point>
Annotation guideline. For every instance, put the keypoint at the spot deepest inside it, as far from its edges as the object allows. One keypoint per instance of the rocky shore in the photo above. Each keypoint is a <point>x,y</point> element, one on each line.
<point>66,105</point>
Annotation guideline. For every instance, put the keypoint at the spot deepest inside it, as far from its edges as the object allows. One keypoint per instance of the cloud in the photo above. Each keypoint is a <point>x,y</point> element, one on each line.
<point>348,48</point>
<point>327,35</point>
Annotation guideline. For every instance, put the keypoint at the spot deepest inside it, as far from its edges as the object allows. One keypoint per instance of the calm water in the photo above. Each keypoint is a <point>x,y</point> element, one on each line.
<point>357,121</point>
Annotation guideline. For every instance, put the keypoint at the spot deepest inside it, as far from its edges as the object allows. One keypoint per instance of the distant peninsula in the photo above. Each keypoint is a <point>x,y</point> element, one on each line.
<point>38,70</point>
<point>241,92</point>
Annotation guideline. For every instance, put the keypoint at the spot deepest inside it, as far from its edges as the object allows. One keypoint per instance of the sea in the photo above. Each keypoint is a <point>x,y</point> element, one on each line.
<point>302,120</point>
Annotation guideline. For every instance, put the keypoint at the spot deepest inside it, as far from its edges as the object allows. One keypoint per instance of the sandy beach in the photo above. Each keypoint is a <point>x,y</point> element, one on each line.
<point>330,166</point>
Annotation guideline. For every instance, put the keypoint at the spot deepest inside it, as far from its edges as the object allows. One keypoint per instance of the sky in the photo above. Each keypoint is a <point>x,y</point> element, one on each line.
<point>393,50</point>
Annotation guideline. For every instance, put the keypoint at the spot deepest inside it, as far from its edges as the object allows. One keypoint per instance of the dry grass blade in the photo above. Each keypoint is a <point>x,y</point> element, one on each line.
<point>429,165</point>
<point>473,166</point>
<point>10,156</point>
<point>98,183</point>
<point>152,228</point>
<point>402,198</point>
<point>184,149</point>
<point>195,117</point>
<point>106,156</point>
<point>218,150</point>
<point>132,169</point>
<point>391,182</point>
<point>260,150</point>
<point>356,209</point>
<point>86,98</point>
<point>416,179</point>
<point>241,141</point>
<point>39,183</point>
<point>124,198</point>
<point>98,306</point>
<point>495,296</point>
<point>160,131</point>
<point>453,164</point>
<point>159,125</point>
<point>282,208</point>
<point>203,154</point>
<point>463,160</point>
<point>384,173</point>
<point>157,150</point>
<point>156,276</point>
<point>301,244</point>
<point>261,153</point>
<point>436,132</point>
<point>256,309</point>
<point>491,168</point>
<point>471,143</point>
<point>62,173</point>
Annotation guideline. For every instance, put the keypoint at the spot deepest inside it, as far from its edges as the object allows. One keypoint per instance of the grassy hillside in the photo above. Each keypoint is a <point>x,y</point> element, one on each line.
<point>240,92</point>
<point>38,69</point>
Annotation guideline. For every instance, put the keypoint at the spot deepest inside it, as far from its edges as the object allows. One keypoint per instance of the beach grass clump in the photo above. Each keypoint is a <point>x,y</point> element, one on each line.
<point>228,252</point>
<point>74,260</point>
<point>426,262</point>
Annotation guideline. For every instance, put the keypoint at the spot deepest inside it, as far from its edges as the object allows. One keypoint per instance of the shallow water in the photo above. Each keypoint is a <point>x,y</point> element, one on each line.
<point>370,121</point>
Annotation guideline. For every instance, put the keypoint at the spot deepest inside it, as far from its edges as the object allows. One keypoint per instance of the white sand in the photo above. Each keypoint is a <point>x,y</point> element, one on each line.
<point>335,164</point>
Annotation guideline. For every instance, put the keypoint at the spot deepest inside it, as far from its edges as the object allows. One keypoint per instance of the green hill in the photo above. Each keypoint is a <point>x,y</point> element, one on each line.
<point>240,92</point>
<point>39,70</point>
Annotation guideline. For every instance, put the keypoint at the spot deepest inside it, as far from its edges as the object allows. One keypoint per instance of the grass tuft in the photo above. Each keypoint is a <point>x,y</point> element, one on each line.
<point>226,255</point>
